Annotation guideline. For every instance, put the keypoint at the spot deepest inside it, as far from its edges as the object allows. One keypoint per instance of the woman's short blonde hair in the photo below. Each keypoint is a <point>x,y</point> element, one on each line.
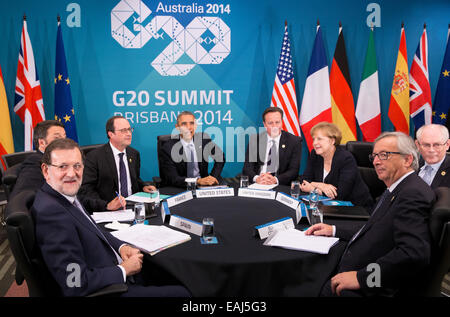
<point>330,130</point>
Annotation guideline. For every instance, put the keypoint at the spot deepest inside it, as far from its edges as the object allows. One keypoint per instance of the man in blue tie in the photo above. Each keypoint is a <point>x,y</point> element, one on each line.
<point>186,155</point>
<point>114,168</point>
<point>433,144</point>
<point>68,237</point>
<point>393,248</point>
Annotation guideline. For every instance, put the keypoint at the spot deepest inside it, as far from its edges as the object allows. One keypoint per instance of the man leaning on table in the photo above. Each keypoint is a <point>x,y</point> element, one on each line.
<point>70,241</point>
<point>186,155</point>
<point>273,156</point>
<point>114,168</point>
<point>433,143</point>
<point>395,241</point>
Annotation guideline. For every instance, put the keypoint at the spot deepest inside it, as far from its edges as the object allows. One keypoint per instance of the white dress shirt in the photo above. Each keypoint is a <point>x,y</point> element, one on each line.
<point>434,168</point>
<point>266,158</point>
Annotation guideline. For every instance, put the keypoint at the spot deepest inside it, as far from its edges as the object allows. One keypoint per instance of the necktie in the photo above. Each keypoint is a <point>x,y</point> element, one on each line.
<point>123,176</point>
<point>427,176</point>
<point>272,158</point>
<point>192,167</point>
<point>77,204</point>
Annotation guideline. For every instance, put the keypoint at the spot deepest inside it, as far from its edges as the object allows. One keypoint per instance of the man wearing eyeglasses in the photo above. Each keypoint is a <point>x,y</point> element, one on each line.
<point>114,168</point>
<point>71,243</point>
<point>433,144</point>
<point>390,253</point>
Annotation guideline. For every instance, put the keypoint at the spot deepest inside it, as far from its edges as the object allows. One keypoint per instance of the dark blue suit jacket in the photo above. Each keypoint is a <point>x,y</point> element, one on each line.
<point>396,237</point>
<point>344,175</point>
<point>66,237</point>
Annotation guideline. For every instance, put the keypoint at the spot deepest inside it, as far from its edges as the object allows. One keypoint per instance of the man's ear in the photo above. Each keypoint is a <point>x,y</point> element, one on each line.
<point>44,169</point>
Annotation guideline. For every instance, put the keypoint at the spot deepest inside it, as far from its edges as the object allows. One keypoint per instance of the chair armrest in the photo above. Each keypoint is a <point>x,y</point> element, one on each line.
<point>110,290</point>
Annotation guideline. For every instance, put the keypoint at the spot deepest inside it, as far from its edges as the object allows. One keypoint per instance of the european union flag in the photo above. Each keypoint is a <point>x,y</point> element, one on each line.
<point>442,99</point>
<point>64,111</point>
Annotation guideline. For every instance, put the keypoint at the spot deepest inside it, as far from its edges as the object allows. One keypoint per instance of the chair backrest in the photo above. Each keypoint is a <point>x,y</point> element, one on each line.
<point>361,151</point>
<point>15,158</point>
<point>87,148</point>
<point>440,236</point>
<point>9,178</point>
<point>161,139</point>
<point>20,229</point>
<point>370,177</point>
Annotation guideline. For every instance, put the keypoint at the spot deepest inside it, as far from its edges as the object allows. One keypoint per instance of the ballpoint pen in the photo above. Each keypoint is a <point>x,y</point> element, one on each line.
<point>118,196</point>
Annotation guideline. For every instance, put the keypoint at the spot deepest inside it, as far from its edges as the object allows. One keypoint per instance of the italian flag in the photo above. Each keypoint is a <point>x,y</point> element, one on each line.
<point>368,111</point>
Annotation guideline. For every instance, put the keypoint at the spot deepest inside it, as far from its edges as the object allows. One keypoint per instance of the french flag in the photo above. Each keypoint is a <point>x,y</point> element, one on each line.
<point>316,103</point>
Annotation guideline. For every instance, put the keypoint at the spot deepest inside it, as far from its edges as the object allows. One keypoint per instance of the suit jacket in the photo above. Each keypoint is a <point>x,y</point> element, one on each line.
<point>344,175</point>
<point>289,156</point>
<point>31,178</point>
<point>100,180</point>
<point>396,237</point>
<point>442,177</point>
<point>174,167</point>
<point>66,237</point>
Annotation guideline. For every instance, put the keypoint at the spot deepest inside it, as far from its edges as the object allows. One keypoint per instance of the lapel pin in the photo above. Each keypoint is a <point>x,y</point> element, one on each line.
<point>283,146</point>
<point>130,160</point>
<point>392,199</point>
<point>443,173</point>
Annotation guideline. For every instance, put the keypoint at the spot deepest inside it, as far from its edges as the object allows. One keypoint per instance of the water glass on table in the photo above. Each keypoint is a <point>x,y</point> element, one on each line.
<point>208,229</point>
<point>139,213</point>
<point>244,181</point>
<point>295,189</point>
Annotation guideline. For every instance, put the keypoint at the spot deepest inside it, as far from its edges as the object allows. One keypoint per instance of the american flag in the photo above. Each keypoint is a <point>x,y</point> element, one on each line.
<point>28,98</point>
<point>283,95</point>
<point>419,85</point>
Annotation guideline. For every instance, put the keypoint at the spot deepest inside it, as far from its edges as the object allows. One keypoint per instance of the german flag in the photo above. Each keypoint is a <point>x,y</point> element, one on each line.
<point>342,105</point>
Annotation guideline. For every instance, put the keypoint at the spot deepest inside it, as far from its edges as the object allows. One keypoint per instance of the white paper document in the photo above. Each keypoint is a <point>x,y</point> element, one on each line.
<point>297,240</point>
<point>109,216</point>
<point>261,186</point>
<point>151,239</point>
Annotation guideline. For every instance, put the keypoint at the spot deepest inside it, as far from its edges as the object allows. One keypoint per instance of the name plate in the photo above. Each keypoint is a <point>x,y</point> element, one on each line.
<point>257,193</point>
<point>267,229</point>
<point>301,211</point>
<point>186,225</point>
<point>180,198</point>
<point>165,212</point>
<point>287,200</point>
<point>218,192</point>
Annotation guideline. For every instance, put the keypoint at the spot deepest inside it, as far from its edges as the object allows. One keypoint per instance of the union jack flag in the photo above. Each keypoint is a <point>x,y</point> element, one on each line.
<point>419,85</point>
<point>28,98</point>
<point>284,95</point>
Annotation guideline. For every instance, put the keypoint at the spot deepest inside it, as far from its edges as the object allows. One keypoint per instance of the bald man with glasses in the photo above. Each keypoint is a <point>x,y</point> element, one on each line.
<point>433,143</point>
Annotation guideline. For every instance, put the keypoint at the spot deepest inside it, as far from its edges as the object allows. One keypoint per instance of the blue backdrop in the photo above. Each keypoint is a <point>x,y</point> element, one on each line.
<point>124,61</point>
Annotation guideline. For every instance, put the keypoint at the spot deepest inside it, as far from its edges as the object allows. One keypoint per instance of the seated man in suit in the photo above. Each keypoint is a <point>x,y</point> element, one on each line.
<point>68,237</point>
<point>30,175</point>
<point>273,156</point>
<point>393,248</point>
<point>186,155</point>
<point>433,143</point>
<point>114,167</point>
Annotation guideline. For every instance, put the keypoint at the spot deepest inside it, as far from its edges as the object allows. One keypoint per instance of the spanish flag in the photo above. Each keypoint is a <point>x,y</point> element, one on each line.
<point>399,104</point>
<point>6,138</point>
<point>342,105</point>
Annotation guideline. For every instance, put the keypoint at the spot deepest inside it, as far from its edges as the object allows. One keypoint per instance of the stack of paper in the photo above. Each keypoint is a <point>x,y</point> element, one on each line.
<point>297,240</point>
<point>261,186</point>
<point>151,239</point>
<point>108,216</point>
<point>142,197</point>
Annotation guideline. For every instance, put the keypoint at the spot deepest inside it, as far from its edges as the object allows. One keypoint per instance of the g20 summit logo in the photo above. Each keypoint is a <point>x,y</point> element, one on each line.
<point>205,40</point>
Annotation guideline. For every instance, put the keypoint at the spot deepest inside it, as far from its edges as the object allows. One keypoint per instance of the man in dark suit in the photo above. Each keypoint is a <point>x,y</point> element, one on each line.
<point>273,156</point>
<point>114,167</point>
<point>186,155</point>
<point>80,256</point>
<point>433,144</point>
<point>30,175</point>
<point>393,248</point>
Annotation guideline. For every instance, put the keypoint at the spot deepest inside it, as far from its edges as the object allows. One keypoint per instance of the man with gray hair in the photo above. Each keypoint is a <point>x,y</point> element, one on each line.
<point>388,253</point>
<point>433,144</point>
